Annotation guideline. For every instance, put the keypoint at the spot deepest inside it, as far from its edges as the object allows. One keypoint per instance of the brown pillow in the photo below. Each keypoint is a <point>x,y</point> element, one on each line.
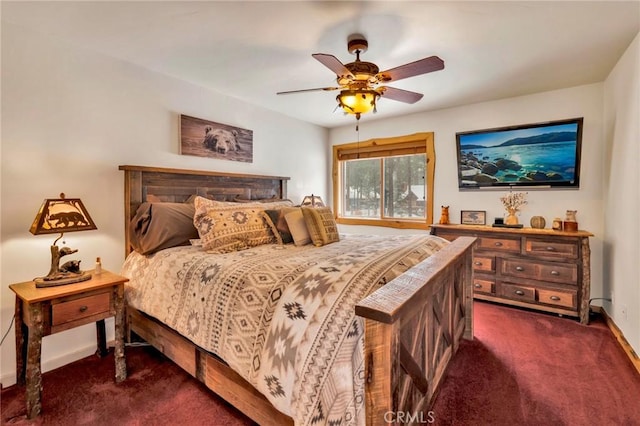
<point>321,225</point>
<point>278,224</point>
<point>158,226</point>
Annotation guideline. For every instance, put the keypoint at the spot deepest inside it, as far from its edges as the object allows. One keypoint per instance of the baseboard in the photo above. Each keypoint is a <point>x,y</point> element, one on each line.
<point>9,379</point>
<point>622,341</point>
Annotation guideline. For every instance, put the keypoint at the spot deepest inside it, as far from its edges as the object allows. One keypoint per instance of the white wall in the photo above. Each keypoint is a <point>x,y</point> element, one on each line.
<point>583,101</point>
<point>622,193</point>
<point>70,117</point>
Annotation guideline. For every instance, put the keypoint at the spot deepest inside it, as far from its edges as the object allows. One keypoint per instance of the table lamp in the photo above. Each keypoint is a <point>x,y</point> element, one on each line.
<point>312,201</point>
<point>60,215</point>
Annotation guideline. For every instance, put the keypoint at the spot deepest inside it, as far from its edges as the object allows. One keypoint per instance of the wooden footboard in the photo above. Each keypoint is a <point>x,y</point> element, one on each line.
<point>413,326</point>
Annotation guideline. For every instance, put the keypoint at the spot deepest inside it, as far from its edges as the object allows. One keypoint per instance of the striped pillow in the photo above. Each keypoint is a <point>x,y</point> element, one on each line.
<point>321,225</point>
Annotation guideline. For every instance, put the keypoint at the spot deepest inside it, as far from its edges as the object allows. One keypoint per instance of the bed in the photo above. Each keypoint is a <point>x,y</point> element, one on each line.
<point>394,325</point>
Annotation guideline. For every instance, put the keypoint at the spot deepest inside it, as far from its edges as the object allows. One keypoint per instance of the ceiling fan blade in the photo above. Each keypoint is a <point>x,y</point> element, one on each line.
<point>422,66</point>
<point>400,95</point>
<point>333,64</point>
<point>327,89</point>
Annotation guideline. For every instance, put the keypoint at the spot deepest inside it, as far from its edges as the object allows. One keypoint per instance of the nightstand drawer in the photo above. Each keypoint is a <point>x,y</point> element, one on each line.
<point>551,248</point>
<point>500,244</point>
<point>482,263</point>
<point>77,309</point>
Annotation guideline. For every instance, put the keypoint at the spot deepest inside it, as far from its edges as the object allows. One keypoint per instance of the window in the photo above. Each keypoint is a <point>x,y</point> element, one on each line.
<point>385,182</point>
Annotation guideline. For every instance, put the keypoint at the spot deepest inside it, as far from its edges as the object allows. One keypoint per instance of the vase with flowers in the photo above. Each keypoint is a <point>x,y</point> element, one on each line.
<point>512,202</point>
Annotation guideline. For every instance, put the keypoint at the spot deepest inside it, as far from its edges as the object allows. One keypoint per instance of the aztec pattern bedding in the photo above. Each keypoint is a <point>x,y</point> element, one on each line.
<point>281,316</point>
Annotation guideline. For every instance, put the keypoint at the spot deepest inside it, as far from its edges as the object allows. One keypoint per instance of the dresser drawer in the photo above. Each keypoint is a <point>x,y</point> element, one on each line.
<point>503,244</point>
<point>559,298</point>
<point>78,309</point>
<point>518,292</point>
<point>552,272</point>
<point>483,286</point>
<point>484,263</point>
<point>540,247</point>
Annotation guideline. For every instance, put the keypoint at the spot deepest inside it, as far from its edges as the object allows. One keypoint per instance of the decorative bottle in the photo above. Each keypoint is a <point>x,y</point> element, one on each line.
<point>98,269</point>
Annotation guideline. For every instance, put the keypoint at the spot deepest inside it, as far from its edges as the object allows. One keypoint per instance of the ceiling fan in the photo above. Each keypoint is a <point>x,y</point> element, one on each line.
<point>360,82</point>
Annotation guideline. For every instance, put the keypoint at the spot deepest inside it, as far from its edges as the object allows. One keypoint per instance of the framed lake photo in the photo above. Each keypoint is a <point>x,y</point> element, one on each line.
<point>204,138</point>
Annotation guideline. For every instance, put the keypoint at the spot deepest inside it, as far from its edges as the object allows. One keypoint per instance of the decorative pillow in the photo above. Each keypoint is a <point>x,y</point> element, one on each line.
<point>157,226</point>
<point>226,227</point>
<point>297,227</point>
<point>278,224</point>
<point>321,225</point>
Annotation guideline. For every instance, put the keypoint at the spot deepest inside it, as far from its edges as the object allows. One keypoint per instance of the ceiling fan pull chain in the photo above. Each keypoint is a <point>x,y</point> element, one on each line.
<point>358,139</point>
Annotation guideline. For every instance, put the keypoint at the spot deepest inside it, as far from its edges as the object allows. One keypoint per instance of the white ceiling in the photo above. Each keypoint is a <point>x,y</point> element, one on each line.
<point>251,50</point>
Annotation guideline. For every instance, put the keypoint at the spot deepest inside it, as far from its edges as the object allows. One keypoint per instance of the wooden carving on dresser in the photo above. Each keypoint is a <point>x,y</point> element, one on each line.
<point>540,269</point>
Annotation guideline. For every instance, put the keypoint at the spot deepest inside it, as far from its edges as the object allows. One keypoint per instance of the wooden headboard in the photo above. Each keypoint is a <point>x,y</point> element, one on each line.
<point>175,185</point>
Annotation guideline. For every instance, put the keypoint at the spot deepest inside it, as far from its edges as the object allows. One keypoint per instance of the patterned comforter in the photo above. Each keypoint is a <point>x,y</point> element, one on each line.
<point>279,315</point>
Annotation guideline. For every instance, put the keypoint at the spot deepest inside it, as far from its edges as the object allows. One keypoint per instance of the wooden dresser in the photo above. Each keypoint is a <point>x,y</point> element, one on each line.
<point>540,269</point>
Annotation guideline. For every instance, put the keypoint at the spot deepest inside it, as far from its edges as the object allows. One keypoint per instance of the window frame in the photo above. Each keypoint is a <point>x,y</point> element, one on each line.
<point>385,147</point>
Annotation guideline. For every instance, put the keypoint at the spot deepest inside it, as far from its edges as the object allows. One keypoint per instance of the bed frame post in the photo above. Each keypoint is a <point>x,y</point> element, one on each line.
<point>378,384</point>
<point>413,326</point>
<point>133,198</point>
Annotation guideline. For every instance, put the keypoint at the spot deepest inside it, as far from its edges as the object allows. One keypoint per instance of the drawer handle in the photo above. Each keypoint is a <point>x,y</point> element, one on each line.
<point>519,268</point>
<point>477,263</point>
<point>555,273</point>
<point>556,298</point>
<point>83,308</point>
<point>519,292</point>
<point>551,248</point>
<point>478,286</point>
<point>498,244</point>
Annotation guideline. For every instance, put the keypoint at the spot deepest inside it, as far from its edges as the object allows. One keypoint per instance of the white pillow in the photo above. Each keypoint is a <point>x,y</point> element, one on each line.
<point>298,227</point>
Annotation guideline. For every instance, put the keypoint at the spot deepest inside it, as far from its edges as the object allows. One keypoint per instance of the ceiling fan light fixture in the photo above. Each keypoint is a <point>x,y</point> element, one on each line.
<point>357,101</point>
<point>359,81</point>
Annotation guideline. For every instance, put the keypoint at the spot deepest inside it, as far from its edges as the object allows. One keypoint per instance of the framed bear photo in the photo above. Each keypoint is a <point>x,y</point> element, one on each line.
<point>204,138</point>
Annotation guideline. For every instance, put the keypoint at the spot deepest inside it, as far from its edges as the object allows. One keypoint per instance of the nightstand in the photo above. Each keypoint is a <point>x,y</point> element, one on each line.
<point>44,311</point>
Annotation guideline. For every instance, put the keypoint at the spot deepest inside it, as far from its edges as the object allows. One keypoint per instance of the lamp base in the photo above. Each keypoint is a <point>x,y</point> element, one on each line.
<point>62,279</point>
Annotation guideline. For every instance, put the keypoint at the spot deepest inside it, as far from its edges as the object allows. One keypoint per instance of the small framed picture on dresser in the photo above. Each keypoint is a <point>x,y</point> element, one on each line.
<point>473,217</point>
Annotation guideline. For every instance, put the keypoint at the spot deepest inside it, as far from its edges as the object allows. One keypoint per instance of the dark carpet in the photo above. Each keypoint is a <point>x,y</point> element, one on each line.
<point>523,368</point>
<point>529,368</point>
<point>156,392</point>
